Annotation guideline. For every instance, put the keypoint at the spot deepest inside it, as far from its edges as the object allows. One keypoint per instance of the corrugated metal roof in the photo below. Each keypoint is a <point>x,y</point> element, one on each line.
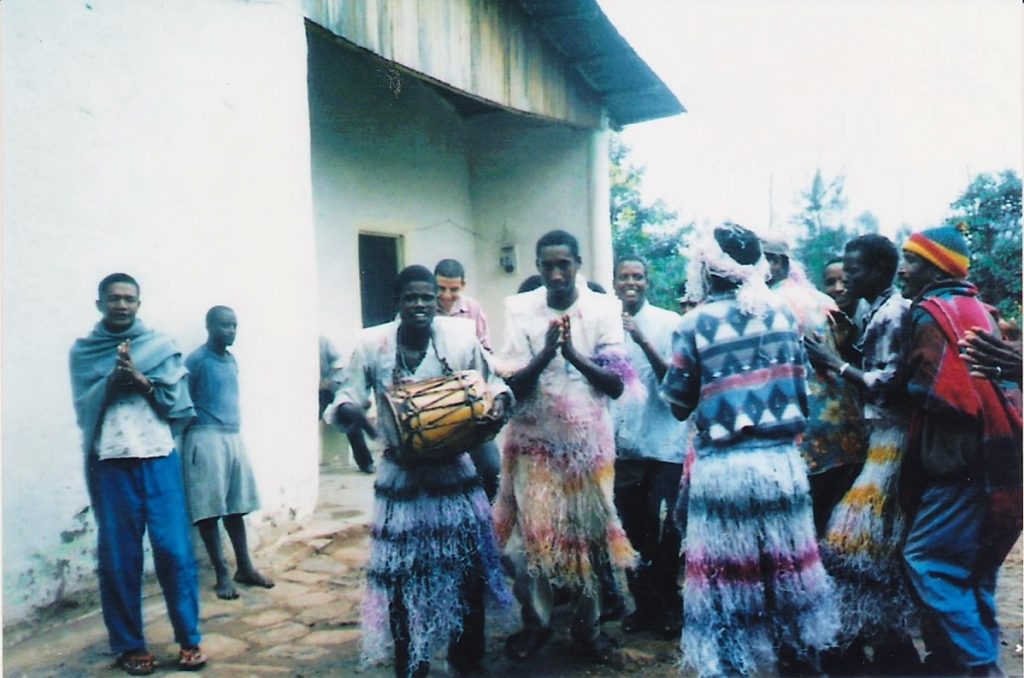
<point>629,89</point>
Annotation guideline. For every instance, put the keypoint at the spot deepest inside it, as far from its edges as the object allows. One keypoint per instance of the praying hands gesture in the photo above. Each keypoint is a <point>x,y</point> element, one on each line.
<point>553,338</point>
<point>125,375</point>
<point>602,379</point>
<point>559,337</point>
<point>568,350</point>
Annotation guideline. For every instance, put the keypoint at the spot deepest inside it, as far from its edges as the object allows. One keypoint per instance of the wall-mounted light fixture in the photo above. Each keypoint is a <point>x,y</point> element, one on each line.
<point>509,258</point>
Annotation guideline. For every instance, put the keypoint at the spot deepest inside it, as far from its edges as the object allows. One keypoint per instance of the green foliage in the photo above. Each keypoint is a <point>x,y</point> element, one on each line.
<point>822,221</point>
<point>991,208</point>
<point>866,222</point>
<point>649,230</point>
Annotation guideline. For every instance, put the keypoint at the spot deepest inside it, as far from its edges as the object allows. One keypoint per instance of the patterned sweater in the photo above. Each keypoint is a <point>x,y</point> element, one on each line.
<point>743,376</point>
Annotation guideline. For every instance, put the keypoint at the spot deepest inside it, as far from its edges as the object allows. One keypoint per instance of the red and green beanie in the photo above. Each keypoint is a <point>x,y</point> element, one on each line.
<point>944,246</point>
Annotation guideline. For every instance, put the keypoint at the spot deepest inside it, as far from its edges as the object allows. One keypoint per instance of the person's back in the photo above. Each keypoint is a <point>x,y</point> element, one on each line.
<point>738,367</point>
<point>752,377</point>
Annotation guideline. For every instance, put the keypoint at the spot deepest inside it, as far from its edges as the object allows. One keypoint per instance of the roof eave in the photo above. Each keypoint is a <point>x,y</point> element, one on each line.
<point>582,34</point>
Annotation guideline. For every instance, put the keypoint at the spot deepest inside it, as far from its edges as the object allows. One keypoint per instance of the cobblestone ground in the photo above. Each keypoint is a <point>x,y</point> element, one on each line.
<point>308,625</point>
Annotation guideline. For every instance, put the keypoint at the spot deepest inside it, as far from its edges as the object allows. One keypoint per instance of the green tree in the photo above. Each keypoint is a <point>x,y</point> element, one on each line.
<point>991,208</point>
<point>822,221</point>
<point>866,222</point>
<point>648,229</point>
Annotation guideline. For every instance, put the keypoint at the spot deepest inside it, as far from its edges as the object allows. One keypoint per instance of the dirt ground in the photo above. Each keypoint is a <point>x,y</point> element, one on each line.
<point>308,625</point>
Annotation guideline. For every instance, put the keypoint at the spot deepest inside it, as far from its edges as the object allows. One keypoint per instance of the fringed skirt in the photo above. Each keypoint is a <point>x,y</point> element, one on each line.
<point>556,494</point>
<point>432,532</point>
<point>754,579</point>
<point>861,548</point>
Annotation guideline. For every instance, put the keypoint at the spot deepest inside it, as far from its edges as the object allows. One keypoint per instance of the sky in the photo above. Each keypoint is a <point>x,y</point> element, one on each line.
<point>909,99</point>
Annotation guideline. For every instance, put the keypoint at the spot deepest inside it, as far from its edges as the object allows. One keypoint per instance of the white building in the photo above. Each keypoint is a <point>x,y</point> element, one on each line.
<point>261,154</point>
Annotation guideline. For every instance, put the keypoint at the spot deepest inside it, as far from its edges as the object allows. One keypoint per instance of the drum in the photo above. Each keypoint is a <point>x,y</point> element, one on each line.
<point>440,417</point>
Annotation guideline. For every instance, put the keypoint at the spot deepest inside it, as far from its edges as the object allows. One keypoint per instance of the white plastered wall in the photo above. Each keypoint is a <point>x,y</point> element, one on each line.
<point>388,158</point>
<point>170,141</point>
<point>391,156</point>
<point>529,177</point>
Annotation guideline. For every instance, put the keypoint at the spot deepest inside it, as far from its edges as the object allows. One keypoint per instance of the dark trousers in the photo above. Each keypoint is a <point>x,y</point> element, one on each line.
<point>645,494</point>
<point>131,497</point>
<point>827,489</point>
<point>487,460</point>
<point>360,450</point>
<point>464,651</point>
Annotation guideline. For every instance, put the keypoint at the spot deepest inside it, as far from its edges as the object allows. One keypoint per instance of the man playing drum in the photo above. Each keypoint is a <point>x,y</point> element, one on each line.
<point>434,552</point>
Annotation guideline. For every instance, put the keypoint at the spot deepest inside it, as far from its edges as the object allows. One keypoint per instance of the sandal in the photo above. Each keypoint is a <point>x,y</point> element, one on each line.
<point>137,662</point>
<point>191,659</point>
<point>524,644</point>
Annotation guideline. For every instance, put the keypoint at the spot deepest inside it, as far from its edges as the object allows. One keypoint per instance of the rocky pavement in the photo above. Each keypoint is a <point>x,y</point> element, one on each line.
<point>308,625</point>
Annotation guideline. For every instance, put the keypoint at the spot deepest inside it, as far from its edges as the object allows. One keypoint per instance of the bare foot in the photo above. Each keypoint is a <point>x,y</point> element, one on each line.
<point>253,578</point>
<point>225,590</point>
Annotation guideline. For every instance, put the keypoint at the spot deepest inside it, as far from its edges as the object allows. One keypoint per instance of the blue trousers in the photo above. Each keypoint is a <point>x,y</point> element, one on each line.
<point>131,496</point>
<point>952,570</point>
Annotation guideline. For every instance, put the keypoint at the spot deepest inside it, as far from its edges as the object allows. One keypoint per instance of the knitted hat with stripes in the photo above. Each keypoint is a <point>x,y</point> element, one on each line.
<point>944,246</point>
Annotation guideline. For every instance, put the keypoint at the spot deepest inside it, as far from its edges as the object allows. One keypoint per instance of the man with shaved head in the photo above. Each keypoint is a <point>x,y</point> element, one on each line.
<point>218,476</point>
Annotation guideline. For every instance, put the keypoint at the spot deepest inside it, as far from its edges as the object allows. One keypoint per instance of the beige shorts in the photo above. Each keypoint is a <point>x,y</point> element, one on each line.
<point>218,478</point>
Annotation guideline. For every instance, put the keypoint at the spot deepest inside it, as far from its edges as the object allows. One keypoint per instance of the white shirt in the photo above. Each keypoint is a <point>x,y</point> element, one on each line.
<point>645,428</point>
<point>564,406</point>
<point>131,429</point>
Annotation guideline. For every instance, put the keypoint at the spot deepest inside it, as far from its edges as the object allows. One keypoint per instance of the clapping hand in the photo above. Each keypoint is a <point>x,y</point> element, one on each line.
<point>124,368</point>
<point>630,326</point>
<point>568,350</point>
<point>125,374</point>
<point>989,356</point>
<point>819,354</point>
<point>554,335</point>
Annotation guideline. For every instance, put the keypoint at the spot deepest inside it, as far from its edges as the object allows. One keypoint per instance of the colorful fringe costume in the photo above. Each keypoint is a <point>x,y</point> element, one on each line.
<point>433,551</point>
<point>754,580</point>
<point>861,546</point>
<point>554,511</point>
<point>433,543</point>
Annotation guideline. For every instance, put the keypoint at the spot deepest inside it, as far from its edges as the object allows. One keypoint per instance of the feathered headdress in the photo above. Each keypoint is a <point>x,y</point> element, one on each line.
<point>706,257</point>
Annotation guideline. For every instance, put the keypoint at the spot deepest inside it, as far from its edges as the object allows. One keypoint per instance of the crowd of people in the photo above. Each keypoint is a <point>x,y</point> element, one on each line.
<point>786,480</point>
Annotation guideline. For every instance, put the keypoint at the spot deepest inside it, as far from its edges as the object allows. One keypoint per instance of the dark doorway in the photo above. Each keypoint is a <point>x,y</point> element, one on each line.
<point>378,267</point>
